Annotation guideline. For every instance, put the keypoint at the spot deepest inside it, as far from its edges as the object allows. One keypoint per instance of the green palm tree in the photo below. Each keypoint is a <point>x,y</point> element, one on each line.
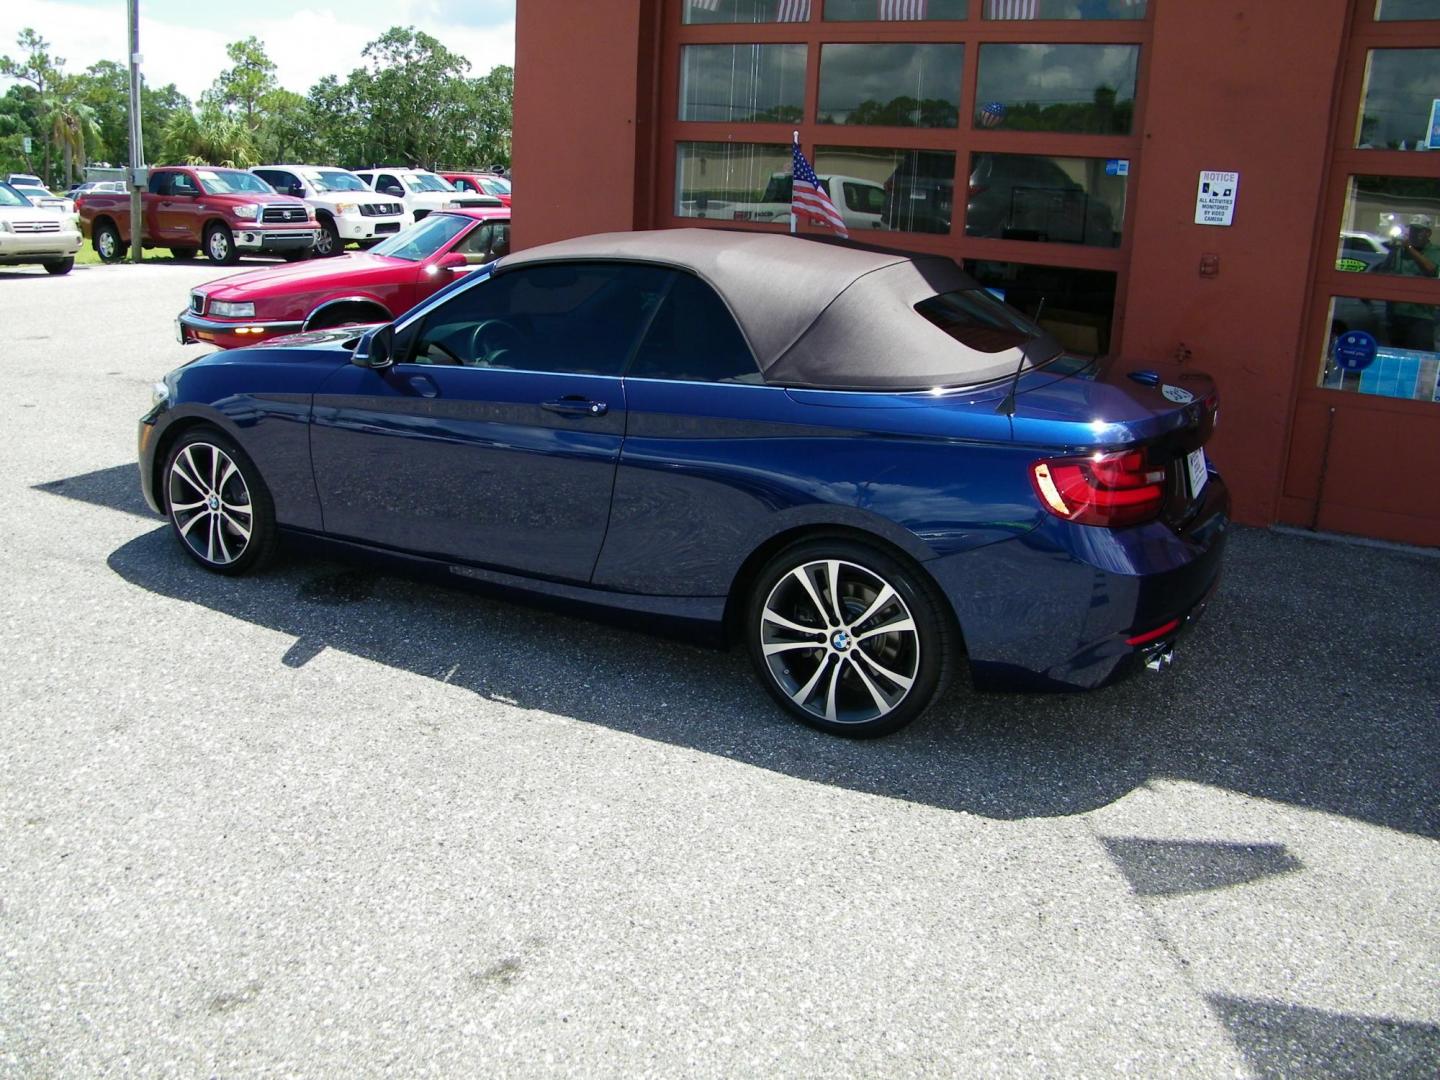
<point>72,129</point>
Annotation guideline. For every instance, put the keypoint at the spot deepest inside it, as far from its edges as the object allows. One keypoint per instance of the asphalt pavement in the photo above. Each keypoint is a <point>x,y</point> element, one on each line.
<point>326,822</point>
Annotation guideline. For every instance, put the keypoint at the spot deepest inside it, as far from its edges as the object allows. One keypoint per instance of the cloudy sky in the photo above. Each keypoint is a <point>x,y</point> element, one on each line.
<point>183,41</point>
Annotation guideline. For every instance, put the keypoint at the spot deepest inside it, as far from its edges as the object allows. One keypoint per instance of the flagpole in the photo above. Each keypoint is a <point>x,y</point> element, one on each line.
<point>794,145</point>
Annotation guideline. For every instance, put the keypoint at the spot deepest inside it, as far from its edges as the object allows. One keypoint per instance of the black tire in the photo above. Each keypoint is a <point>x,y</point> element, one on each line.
<point>298,255</point>
<point>60,266</point>
<point>220,245</point>
<point>208,503</point>
<point>327,240</point>
<point>849,675</point>
<point>108,244</point>
<point>184,253</point>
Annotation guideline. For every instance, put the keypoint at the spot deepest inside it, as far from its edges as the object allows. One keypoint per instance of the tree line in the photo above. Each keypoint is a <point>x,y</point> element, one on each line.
<point>410,101</point>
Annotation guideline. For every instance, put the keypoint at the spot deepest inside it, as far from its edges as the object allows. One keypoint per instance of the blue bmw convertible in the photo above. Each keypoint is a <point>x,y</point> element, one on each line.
<point>856,463</point>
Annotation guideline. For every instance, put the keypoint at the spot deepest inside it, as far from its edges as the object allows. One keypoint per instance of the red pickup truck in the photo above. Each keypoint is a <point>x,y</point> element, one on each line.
<point>224,211</point>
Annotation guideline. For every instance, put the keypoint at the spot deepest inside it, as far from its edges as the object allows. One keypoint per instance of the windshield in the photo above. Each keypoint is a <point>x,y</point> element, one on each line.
<point>497,184</point>
<point>10,197</point>
<point>232,182</point>
<point>424,238</point>
<point>335,180</point>
<point>36,193</point>
<point>427,182</point>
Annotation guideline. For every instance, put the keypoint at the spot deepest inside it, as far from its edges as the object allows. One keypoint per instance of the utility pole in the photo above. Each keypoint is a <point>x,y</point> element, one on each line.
<point>137,152</point>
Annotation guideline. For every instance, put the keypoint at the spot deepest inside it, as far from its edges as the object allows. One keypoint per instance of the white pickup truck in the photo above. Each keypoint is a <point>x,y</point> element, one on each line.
<point>423,192</point>
<point>345,209</point>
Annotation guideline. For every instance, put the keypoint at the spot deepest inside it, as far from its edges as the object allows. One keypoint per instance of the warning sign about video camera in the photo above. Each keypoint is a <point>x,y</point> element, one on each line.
<point>1215,199</point>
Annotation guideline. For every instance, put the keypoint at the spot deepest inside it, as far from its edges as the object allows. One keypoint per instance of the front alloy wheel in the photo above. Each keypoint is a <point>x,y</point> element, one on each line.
<point>220,245</point>
<point>217,504</point>
<point>848,639</point>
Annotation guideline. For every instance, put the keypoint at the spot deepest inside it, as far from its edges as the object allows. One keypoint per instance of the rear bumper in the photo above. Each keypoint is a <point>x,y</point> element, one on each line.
<point>1058,608</point>
<point>231,333</point>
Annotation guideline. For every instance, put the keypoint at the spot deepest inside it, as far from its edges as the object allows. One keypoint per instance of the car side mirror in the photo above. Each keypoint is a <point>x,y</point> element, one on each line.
<point>375,349</point>
<point>454,260</point>
<point>391,189</point>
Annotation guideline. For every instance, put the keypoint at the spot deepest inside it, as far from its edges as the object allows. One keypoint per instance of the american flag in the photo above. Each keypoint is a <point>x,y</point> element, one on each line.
<point>808,198</point>
<point>793,11</point>
<point>1012,9</point>
<point>901,10</point>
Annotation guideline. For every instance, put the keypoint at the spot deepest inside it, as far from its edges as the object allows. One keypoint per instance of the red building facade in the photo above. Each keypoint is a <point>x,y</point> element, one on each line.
<point>1061,150</point>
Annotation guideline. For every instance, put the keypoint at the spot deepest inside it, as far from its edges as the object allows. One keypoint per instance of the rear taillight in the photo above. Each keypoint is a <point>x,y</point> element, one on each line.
<point>1113,490</point>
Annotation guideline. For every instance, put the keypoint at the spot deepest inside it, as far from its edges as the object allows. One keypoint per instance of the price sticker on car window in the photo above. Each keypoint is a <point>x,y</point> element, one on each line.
<point>1199,473</point>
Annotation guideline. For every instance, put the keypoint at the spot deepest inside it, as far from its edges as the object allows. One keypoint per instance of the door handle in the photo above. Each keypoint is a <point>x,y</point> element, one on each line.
<point>424,386</point>
<point>576,406</point>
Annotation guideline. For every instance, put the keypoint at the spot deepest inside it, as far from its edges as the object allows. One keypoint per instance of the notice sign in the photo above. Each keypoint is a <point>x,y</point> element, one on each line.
<point>1215,199</point>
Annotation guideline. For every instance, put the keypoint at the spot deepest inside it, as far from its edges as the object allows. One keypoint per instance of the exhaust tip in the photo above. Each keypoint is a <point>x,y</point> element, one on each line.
<point>1160,660</point>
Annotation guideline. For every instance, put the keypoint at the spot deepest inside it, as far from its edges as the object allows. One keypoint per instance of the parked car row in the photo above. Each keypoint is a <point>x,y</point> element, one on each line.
<point>290,210</point>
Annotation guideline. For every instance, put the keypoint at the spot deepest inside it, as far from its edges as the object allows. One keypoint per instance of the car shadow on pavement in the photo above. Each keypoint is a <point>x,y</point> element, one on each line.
<point>1308,683</point>
<point>1280,1040</point>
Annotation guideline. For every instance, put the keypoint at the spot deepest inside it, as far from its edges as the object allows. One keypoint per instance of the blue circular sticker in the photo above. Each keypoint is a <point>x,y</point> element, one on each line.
<point>1355,350</point>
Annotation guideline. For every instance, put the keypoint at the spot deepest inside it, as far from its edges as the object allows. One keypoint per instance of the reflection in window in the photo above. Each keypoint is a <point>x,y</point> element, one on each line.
<point>891,85</point>
<point>1049,199</point>
<point>1401,85</point>
<point>1386,10</point>
<point>746,11</point>
<point>1074,306</point>
<point>893,190</point>
<point>742,83</point>
<point>1382,347</point>
<point>1388,225</point>
<point>1065,9</point>
<point>1083,89</point>
<point>722,179</point>
<point>895,10</point>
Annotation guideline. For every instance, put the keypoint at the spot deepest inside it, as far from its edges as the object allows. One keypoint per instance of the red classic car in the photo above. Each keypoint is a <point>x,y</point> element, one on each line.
<point>365,287</point>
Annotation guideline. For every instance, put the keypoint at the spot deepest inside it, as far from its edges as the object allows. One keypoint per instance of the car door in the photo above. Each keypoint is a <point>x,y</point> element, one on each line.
<point>494,439</point>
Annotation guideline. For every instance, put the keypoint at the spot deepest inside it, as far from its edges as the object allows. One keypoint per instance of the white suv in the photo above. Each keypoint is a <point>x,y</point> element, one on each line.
<point>344,207</point>
<point>30,234</point>
<point>422,191</point>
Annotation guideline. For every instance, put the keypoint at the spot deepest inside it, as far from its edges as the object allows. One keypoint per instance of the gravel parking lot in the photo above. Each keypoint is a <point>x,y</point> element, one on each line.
<point>322,822</point>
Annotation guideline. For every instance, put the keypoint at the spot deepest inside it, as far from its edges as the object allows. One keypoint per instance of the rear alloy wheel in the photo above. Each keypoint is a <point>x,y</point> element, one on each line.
<point>327,239</point>
<point>220,245</point>
<point>848,639</point>
<point>107,243</point>
<point>217,503</point>
<point>59,266</point>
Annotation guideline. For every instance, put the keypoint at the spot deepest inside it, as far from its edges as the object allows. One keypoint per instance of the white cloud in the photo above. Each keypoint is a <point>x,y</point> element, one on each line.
<point>306,45</point>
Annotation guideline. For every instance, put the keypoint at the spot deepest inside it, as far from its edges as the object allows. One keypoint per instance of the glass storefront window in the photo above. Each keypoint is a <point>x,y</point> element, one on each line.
<point>745,11</point>
<point>1401,86</point>
<point>725,181</point>
<point>1049,199</point>
<point>1387,10</point>
<point>1075,306</point>
<point>1082,89</point>
<point>891,85</point>
<point>1382,347</point>
<point>1065,9</point>
<point>895,10</point>
<point>890,190</point>
<point>1388,226</point>
<point>742,83</point>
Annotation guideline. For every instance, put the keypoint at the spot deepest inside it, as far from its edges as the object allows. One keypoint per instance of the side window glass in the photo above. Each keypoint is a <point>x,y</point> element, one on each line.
<point>160,183</point>
<point>462,184</point>
<point>476,246</point>
<point>385,182</point>
<point>576,319</point>
<point>693,338</point>
<point>183,185</point>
